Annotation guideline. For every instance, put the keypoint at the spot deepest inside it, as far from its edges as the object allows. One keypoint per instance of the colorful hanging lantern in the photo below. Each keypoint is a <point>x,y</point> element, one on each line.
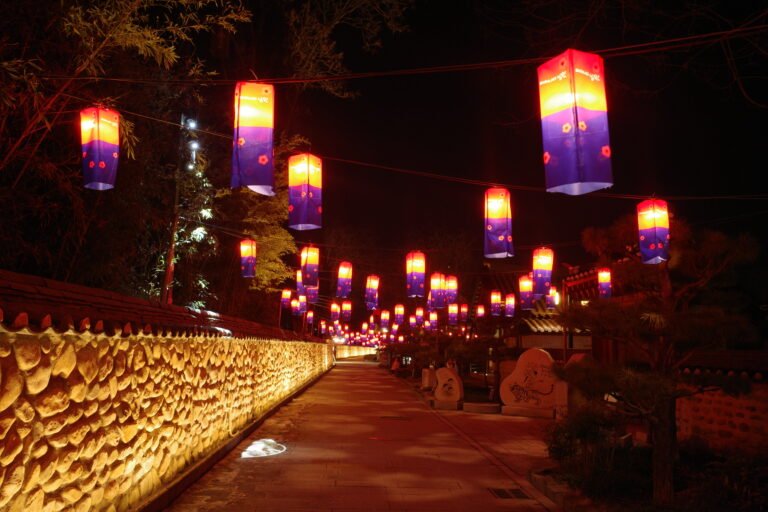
<point>335,312</point>
<point>451,289</point>
<point>295,307</point>
<point>100,143</point>
<point>415,267</point>
<point>427,326</point>
<point>412,323</point>
<point>346,311</point>
<point>344,281</point>
<point>453,314</point>
<point>252,164</point>
<point>437,290</point>
<point>300,288</point>
<point>248,258</point>
<point>525,286</point>
<point>364,328</point>
<point>552,298</point>
<point>302,304</point>
<point>653,225</point>
<point>498,224</point>
<point>323,327</point>
<point>384,319</point>
<point>419,316</point>
<point>433,320</point>
<point>574,123</point>
<point>480,311</point>
<point>604,283</point>
<point>463,313</point>
<point>310,259</point>
<point>372,292</point>
<point>543,259</point>
<point>310,317</point>
<point>496,303</point>
<point>285,298</point>
<point>313,293</point>
<point>305,186</point>
<point>509,305</point>
<point>399,314</point>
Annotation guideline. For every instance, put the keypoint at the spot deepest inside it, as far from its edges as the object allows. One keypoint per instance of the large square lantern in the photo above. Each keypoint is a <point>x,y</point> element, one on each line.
<point>372,292</point>
<point>496,303</point>
<point>248,258</point>
<point>574,123</point>
<point>451,289</point>
<point>346,311</point>
<point>344,281</point>
<point>653,228</point>
<point>604,283</point>
<point>252,153</point>
<point>437,290</point>
<point>415,267</point>
<point>543,259</point>
<point>525,287</point>
<point>498,224</point>
<point>100,143</point>
<point>305,186</point>
<point>310,259</point>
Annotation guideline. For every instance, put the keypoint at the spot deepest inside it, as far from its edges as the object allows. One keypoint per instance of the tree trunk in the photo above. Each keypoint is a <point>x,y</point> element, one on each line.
<point>664,438</point>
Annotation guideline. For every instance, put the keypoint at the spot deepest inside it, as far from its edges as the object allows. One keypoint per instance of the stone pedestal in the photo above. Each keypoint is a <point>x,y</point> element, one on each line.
<point>428,379</point>
<point>482,407</point>
<point>447,405</point>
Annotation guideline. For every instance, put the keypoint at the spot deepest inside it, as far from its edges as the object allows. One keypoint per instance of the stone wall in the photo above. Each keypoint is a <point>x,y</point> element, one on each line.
<point>726,422</point>
<point>98,422</point>
<point>345,351</point>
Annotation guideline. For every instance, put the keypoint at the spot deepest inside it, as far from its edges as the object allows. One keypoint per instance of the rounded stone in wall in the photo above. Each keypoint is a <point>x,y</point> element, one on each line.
<point>27,351</point>
<point>64,360</point>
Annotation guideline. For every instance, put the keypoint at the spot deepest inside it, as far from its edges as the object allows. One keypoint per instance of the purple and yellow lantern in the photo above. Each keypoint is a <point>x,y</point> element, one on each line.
<point>300,288</point>
<point>310,260</point>
<point>346,311</point>
<point>344,281</point>
<point>464,313</point>
<point>433,320</point>
<point>313,293</point>
<point>310,317</point>
<point>412,322</point>
<point>525,286</point>
<point>248,257</point>
<point>509,305</point>
<point>384,319</point>
<point>437,290</point>
<point>295,307</point>
<point>543,260</point>
<point>399,314</point>
<point>335,312</point>
<point>419,316</point>
<point>252,162</point>
<point>574,123</point>
<point>653,226</point>
<point>415,267</point>
<point>305,186</point>
<point>453,314</point>
<point>302,304</point>
<point>498,224</point>
<point>451,289</point>
<point>553,298</point>
<point>372,292</point>
<point>480,311</point>
<point>496,305</point>
<point>604,283</point>
<point>323,327</point>
<point>100,144</point>
<point>285,298</point>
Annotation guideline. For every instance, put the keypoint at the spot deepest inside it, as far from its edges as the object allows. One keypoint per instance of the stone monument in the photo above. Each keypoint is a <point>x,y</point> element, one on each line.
<point>449,391</point>
<point>530,390</point>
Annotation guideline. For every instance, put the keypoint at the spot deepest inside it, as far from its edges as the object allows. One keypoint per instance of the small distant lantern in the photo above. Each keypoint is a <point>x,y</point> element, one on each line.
<point>419,316</point>
<point>346,311</point>
<point>498,224</point>
<point>509,305</point>
<point>344,281</point>
<point>252,153</point>
<point>372,292</point>
<point>553,298</point>
<point>300,288</point>
<point>463,313</point>
<point>310,317</point>
<point>427,326</point>
<point>295,308</point>
<point>310,259</point>
<point>543,259</point>
<point>285,298</point>
<point>384,319</point>
<point>412,322</point>
<point>574,123</point>
<point>453,314</point>
<point>495,303</point>
<point>305,185</point>
<point>653,226</point>
<point>525,286</point>
<point>480,311</point>
<point>451,289</point>
<point>248,258</point>
<point>100,145</point>
<point>437,290</point>
<point>399,314</point>
<point>604,283</point>
<point>323,327</point>
<point>313,294</point>
<point>335,312</point>
<point>415,267</point>
<point>302,304</point>
<point>433,319</point>
<point>364,328</point>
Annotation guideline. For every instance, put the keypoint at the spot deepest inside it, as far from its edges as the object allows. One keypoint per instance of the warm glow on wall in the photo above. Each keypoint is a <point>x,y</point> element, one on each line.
<point>248,258</point>
<point>415,268</point>
<point>498,224</point>
<point>100,145</point>
<point>252,164</point>
<point>305,186</point>
<point>653,227</point>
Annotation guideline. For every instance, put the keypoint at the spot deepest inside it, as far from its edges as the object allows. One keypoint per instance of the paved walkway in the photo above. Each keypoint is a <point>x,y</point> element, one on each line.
<point>362,440</point>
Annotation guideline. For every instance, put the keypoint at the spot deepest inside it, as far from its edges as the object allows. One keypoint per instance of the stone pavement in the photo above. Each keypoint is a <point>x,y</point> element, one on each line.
<point>362,440</point>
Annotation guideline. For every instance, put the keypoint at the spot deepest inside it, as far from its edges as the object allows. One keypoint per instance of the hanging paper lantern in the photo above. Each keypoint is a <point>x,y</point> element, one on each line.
<point>525,286</point>
<point>552,298</point>
<point>302,303</point>
<point>100,143</point>
<point>437,290</point>
<point>543,259</point>
<point>344,281</point>
<point>346,311</point>
<point>248,258</point>
<point>495,303</point>
<point>252,164</point>
<point>395,328</point>
<point>305,186</point>
<point>364,328</point>
<point>427,326</point>
<point>300,288</point>
<point>433,320</point>
<point>653,225</point>
<point>604,283</point>
<point>451,289</point>
<point>498,224</point>
<point>453,314</point>
<point>419,316</point>
<point>480,311</point>
<point>372,292</point>
<point>335,311</point>
<point>509,305</point>
<point>323,327</point>
<point>313,293</point>
<point>574,123</point>
<point>285,298</point>
<point>310,259</point>
<point>412,323</point>
<point>310,317</point>
<point>463,313</point>
<point>415,267</point>
<point>295,307</point>
<point>399,314</point>
<point>384,319</point>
